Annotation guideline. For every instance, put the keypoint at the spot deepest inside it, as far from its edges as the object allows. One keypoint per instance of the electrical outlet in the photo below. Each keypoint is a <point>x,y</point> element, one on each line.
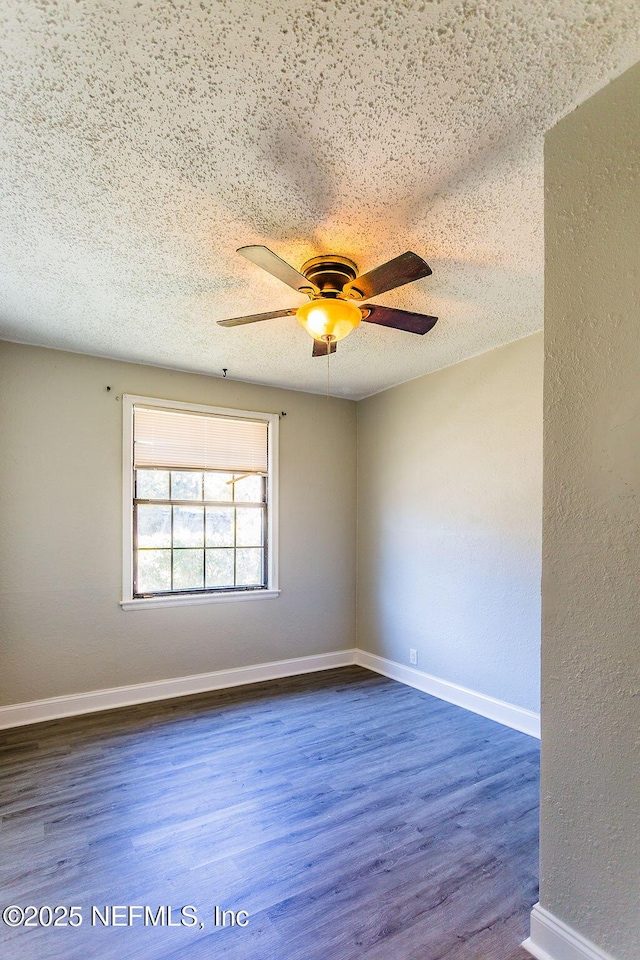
<point>413,656</point>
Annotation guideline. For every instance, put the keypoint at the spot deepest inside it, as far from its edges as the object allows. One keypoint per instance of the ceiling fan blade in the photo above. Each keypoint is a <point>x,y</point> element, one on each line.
<point>255,317</point>
<point>320,348</point>
<point>399,319</point>
<point>273,264</point>
<point>394,273</point>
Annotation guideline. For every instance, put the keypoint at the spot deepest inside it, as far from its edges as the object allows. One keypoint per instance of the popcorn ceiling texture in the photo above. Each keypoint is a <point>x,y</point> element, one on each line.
<point>142,142</point>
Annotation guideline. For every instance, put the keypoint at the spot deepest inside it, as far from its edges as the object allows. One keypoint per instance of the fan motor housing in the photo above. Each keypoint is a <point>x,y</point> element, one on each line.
<point>330,273</point>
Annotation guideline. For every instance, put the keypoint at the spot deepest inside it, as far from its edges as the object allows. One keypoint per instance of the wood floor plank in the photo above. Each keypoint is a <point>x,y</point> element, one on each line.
<point>351,816</point>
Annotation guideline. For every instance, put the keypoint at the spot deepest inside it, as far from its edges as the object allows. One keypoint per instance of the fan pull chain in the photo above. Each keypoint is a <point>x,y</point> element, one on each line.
<point>328,370</point>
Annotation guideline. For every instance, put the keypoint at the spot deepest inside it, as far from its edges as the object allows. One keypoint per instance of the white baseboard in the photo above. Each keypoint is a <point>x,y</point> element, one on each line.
<point>552,939</point>
<point>54,708</point>
<point>526,721</point>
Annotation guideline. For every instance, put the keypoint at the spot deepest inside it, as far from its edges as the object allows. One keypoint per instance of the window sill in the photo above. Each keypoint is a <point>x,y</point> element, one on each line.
<point>143,603</point>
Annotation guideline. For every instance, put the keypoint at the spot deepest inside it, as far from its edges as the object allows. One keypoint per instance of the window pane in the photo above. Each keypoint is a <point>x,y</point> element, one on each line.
<point>188,569</point>
<point>154,571</point>
<point>200,504</point>
<point>188,526</point>
<point>219,568</point>
<point>154,525</point>
<point>186,485</point>
<point>249,527</point>
<point>251,489</point>
<point>248,567</point>
<point>216,486</point>
<point>152,484</point>
<point>219,526</point>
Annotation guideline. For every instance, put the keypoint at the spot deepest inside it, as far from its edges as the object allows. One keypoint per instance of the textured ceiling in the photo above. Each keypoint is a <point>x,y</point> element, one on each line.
<point>142,142</point>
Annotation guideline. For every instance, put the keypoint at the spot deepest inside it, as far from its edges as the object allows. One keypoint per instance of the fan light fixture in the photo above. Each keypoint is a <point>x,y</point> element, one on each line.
<point>329,319</point>
<point>332,284</point>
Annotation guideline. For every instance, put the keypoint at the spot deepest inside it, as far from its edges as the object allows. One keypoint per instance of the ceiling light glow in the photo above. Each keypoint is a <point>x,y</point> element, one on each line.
<point>329,319</point>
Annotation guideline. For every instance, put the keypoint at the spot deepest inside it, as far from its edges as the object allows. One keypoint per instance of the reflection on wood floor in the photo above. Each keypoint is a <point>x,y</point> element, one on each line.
<point>349,815</point>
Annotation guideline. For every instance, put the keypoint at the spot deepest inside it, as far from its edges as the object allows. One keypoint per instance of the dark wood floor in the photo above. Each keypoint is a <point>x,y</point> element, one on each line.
<point>351,816</point>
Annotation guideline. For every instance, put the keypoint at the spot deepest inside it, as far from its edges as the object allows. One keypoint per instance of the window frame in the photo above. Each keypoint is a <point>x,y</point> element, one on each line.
<point>272,590</point>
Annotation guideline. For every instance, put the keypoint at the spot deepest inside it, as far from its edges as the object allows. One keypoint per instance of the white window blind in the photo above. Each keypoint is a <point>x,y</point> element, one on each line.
<point>175,438</point>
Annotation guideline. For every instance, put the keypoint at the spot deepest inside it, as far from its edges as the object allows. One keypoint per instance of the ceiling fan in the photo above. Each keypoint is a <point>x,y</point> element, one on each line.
<point>332,284</point>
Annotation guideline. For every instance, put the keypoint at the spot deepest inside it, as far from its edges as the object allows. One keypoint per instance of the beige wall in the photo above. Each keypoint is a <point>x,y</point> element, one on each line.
<point>61,628</point>
<point>449,522</point>
<point>590,850</point>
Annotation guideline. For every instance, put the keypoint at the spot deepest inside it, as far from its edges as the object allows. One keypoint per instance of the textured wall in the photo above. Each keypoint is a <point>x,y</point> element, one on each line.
<point>449,522</point>
<point>590,853</point>
<point>61,628</point>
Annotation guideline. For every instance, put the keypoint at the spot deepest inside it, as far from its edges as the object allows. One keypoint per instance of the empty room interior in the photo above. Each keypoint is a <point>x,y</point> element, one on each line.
<point>319,480</point>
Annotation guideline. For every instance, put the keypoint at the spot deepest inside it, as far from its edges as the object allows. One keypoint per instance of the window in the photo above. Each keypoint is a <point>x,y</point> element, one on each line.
<point>200,503</point>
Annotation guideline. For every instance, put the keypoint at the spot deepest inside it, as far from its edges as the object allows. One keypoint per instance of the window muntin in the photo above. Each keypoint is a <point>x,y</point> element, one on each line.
<point>198,530</point>
<point>200,523</point>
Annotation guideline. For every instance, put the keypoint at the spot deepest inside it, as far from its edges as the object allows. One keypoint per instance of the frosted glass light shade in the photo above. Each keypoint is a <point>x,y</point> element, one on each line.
<point>329,319</point>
